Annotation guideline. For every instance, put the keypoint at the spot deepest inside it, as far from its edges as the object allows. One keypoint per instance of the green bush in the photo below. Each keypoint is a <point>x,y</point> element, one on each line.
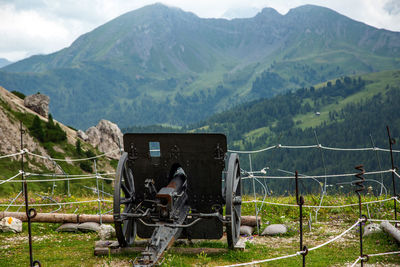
<point>49,133</point>
<point>86,166</point>
<point>19,94</point>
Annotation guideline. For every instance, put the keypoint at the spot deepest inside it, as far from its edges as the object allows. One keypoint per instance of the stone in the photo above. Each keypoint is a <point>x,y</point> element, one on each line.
<point>68,227</point>
<point>10,224</point>
<point>106,232</point>
<point>94,136</point>
<point>89,227</point>
<point>38,103</point>
<point>275,229</point>
<point>246,230</point>
<point>372,228</point>
<point>82,135</point>
<point>106,136</point>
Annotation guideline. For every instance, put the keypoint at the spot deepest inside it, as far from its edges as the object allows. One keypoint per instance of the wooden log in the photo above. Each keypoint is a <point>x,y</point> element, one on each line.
<point>241,244</point>
<point>80,218</point>
<point>59,217</point>
<point>142,243</point>
<point>391,230</point>
<point>99,251</point>
<point>250,220</point>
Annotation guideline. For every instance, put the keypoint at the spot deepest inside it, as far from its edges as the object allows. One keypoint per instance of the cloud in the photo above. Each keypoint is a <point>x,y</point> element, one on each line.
<point>30,27</point>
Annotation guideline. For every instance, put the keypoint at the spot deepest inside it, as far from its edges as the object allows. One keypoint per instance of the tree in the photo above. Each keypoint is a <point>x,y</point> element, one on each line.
<point>78,147</point>
<point>36,129</point>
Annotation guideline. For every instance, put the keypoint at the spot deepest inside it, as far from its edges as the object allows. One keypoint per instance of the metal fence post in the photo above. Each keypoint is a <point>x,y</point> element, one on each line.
<point>362,217</point>
<point>30,213</point>
<point>300,202</point>
<point>391,143</point>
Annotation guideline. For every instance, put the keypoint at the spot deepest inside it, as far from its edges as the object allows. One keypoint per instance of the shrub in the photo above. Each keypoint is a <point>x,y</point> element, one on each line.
<point>19,94</point>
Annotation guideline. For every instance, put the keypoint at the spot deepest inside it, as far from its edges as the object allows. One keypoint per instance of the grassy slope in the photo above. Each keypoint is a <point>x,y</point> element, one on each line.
<point>76,249</point>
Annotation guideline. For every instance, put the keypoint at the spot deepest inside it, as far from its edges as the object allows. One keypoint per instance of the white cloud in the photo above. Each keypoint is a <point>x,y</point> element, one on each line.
<point>30,27</point>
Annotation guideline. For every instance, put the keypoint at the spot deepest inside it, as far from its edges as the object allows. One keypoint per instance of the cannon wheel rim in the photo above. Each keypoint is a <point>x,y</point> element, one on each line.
<point>233,200</point>
<point>124,194</point>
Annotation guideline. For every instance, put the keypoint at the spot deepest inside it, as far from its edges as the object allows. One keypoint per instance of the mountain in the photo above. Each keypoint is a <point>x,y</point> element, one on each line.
<point>159,64</point>
<point>350,112</point>
<point>4,62</point>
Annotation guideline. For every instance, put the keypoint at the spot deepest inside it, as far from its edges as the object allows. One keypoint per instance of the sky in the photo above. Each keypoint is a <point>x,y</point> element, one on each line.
<point>30,27</point>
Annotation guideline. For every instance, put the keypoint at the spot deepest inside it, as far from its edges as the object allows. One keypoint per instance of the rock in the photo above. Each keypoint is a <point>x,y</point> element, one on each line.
<point>246,230</point>
<point>89,227</point>
<point>107,137</point>
<point>106,232</point>
<point>38,103</point>
<point>372,228</point>
<point>275,229</point>
<point>391,230</point>
<point>82,135</point>
<point>68,227</point>
<point>10,224</point>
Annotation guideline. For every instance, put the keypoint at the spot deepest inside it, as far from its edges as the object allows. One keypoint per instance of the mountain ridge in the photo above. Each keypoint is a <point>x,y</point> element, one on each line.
<point>164,57</point>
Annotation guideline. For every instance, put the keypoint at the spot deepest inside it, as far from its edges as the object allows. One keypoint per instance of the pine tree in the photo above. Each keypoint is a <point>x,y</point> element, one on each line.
<point>36,129</point>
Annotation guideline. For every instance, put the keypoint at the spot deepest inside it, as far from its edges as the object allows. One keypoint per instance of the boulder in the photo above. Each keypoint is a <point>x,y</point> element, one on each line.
<point>10,224</point>
<point>106,232</point>
<point>246,230</point>
<point>275,229</point>
<point>82,135</point>
<point>68,227</point>
<point>89,227</point>
<point>106,136</point>
<point>372,228</point>
<point>38,103</point>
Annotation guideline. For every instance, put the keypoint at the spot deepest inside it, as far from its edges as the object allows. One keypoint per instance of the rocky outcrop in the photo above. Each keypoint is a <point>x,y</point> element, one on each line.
<point>106,136</point>
<point>82,135</point>
<point>38,103</point>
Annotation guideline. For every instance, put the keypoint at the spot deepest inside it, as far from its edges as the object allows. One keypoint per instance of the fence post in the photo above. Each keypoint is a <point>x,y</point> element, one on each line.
<point>255,195</point>
<point>30,213</point>
<point>300,202</point>
<point>98,191</point>
<point>362,217</point>
<point>392,141</point>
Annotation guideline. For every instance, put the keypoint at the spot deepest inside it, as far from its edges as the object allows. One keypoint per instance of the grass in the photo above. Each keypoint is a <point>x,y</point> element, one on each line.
<point>76,249</point>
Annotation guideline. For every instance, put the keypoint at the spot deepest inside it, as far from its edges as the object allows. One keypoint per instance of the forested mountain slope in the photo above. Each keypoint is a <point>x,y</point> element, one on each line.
<point>160,64</point>
<point>351,112</point>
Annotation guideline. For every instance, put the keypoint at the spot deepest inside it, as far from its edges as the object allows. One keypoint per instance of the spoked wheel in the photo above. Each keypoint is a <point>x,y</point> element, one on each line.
<point>233,191</point>
<point>124,197</point>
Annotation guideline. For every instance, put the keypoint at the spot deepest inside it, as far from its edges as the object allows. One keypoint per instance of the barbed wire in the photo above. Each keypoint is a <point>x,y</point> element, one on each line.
<point>310,206</point>
<point>69,175</point>
<point>62,179</point>
<point>9,179</point>
<point>298,253</point>
<point>54,204</point>
<point>72,160</point>
<point>320,146</point>
<point>12,155</point>
<point>319,176</point>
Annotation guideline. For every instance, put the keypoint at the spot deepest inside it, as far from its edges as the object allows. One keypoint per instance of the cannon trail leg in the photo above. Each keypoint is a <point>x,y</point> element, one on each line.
<point>162,239</point>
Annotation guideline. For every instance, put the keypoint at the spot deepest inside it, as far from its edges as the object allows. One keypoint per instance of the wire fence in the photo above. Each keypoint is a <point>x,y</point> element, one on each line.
<point>255,176</point>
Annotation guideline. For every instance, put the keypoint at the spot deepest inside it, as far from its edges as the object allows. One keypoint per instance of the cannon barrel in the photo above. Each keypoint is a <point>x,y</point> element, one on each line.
<point>168,194</point>
<point>177,180</point>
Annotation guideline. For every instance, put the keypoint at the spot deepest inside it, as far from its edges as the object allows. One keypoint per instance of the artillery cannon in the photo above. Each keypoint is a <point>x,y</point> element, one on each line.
<point>171,186</point>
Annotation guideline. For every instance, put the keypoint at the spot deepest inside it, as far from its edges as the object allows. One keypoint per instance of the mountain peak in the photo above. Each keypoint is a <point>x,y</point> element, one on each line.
<point>311,9</point>
<point>269,12</point>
